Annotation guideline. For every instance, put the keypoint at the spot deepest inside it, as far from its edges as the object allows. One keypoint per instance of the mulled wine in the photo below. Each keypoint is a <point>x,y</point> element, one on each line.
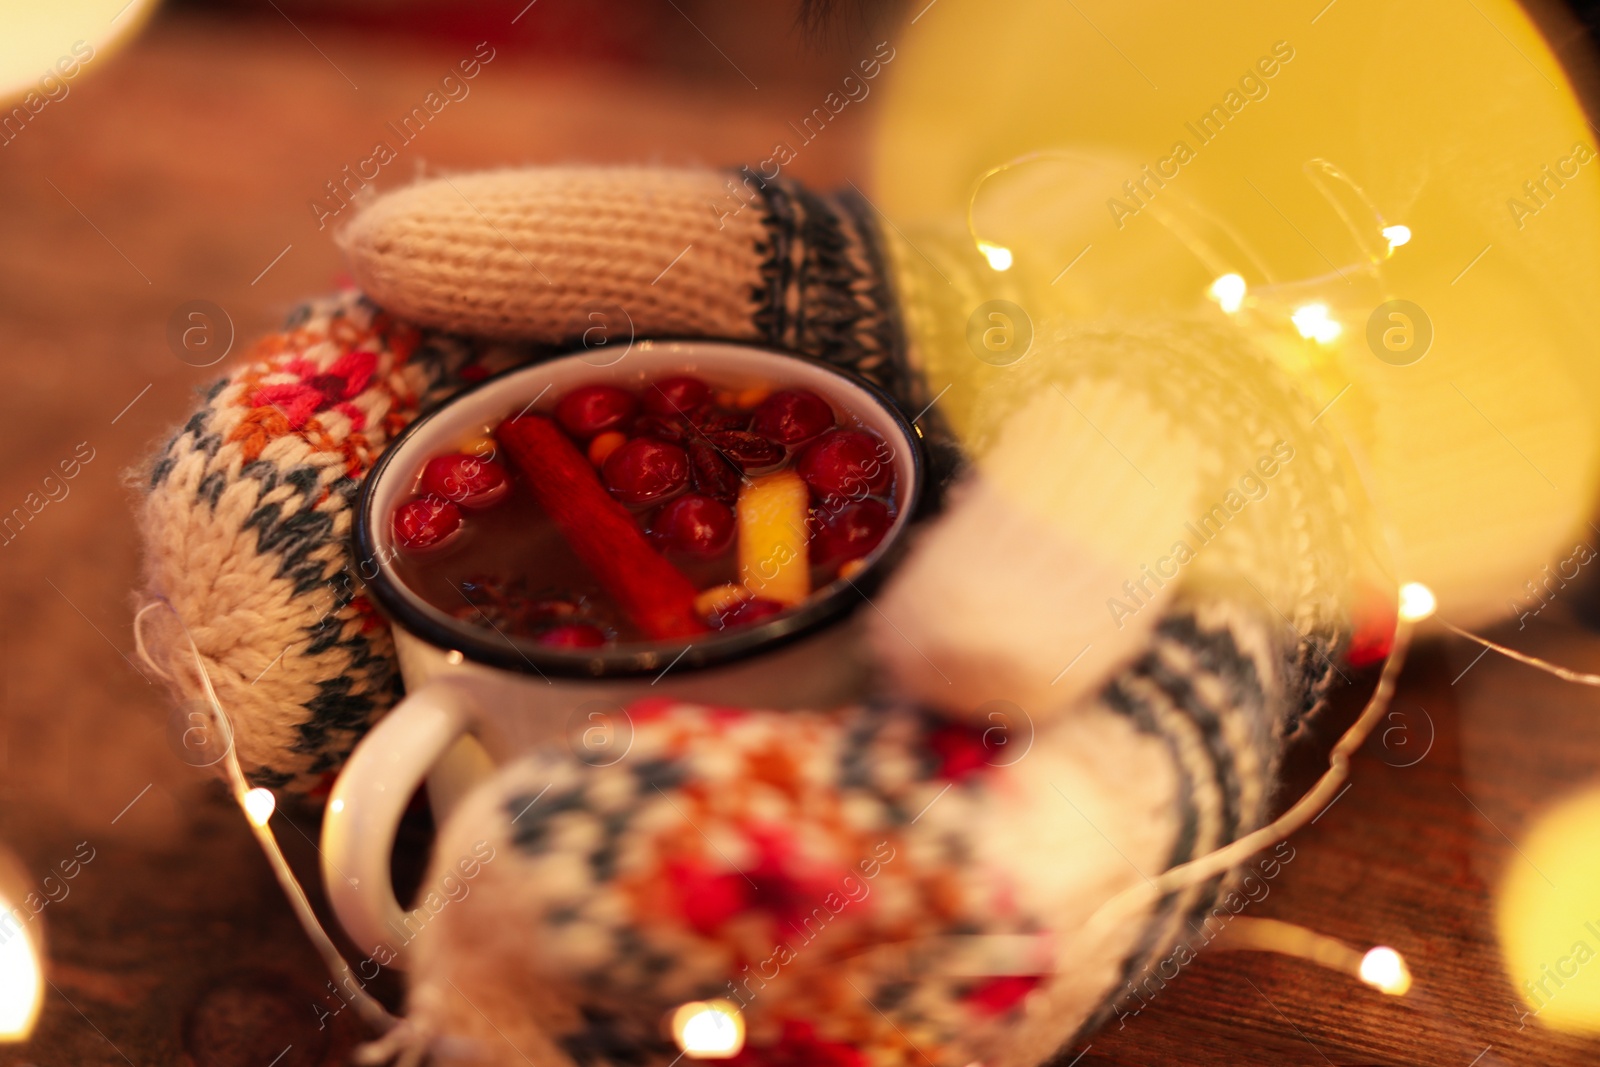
<point>608,515</point>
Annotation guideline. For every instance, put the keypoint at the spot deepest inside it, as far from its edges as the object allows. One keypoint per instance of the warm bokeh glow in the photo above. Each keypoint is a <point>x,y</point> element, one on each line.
<point>1228,291</point>
<point>1314,324</point>
<point>39,37</point>
<point>999,256</point>
<point>1548,915</point>
<point>1257,138</point>
<point>258,805</point>
<point>21,978</point>
<point>708,1030</point>
<point>1416,602</point>
<point>1384,969</point>
<point>1397,236</point>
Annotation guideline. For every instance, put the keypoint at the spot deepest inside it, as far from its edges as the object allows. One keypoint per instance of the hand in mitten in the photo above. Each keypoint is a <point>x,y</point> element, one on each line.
<point>1149,557</point>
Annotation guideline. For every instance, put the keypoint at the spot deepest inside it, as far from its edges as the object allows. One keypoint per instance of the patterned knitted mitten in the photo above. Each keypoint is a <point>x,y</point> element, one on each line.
<point>1157,719</point>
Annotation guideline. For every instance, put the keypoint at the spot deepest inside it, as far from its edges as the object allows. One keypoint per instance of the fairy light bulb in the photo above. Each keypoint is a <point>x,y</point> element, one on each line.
<point>1385,970</point>
<point>21,973</point>
<point>258,805</point>
<point>1381,967</point>
<point>1417,602</point>
<point>1315,324</point>
<point>1396,236</point>
<point>21,981</point>
<point>1228,291</point>
<point>708,1030</point>
<point>999,256</point>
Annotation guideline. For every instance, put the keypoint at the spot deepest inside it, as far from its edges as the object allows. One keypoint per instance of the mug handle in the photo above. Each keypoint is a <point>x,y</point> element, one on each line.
<point>368,800</point>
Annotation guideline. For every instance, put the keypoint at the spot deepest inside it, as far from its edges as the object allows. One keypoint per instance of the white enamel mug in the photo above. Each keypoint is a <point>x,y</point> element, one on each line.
<point>478,698</point>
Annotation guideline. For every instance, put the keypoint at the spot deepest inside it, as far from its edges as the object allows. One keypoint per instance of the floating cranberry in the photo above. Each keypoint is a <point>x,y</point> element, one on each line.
<point>465,480</point>
<point>792,417</point>
<point>747,612</point>
<point>713,475</point>
<point>747,451</point>
<point>644,470</point>
<point>695,523</point>
<point>593,409</point>
<point>426,523</point>
<point>573,635</point>
<point>676,396</point>
<point>846,463</point>
<point>851,532</point>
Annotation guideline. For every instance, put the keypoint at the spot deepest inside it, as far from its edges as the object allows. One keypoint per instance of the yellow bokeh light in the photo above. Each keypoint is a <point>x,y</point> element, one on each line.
<point>1548,916</point>
<point>1188,177</point>
<point>46,47</point>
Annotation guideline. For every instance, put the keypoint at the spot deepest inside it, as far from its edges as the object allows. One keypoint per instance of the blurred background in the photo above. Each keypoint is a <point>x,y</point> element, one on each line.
<point>183,163</point>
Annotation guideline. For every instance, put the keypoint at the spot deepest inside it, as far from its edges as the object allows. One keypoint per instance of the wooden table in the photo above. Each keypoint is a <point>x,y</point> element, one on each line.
<point>182,169</point>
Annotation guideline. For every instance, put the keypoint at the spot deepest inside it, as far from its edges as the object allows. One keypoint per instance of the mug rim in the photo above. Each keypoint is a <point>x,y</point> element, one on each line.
<point>638,658</point>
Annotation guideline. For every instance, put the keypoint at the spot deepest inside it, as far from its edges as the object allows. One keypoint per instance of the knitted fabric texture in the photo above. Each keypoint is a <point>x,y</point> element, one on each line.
<point>509,254</point>
<point>246,525</point>
<point>1291,550</point>
<point>553,252</point>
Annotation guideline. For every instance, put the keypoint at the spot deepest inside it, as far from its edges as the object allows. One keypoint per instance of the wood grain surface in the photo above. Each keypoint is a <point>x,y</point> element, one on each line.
<point>181,169</point>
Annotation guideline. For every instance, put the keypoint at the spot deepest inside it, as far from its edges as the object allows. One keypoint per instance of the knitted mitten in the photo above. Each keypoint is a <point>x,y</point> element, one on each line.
<point>246,523</point>
<point>1150,560</point>
<point>876,885</point>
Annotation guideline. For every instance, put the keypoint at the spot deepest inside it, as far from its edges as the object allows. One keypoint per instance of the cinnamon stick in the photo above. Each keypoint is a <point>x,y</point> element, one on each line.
<point>649,590</point>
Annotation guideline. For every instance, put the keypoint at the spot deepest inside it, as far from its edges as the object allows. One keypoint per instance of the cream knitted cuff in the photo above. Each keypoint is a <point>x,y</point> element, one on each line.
<point>542,253</point>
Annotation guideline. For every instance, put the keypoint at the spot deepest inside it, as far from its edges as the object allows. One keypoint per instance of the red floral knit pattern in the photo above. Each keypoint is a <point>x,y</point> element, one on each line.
<point>247,519</point>
<point>821,872</point>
